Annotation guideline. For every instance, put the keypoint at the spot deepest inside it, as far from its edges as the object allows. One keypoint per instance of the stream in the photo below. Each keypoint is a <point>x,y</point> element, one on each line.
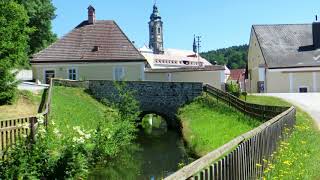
<point>157,153</point>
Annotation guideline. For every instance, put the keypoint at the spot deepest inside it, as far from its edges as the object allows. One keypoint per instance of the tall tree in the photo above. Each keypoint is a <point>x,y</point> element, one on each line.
<point>13,45</point>
<point>234,57</point>
<point>41,13</point>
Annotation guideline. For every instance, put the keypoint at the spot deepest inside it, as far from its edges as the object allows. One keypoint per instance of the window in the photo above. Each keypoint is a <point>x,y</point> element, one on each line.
<point>118,73</point>
<point>159,30</point>
<point>303,89</point>
<point>72,74</point>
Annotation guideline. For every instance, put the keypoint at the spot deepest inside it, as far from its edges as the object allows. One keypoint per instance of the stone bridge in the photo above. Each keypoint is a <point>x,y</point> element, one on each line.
<point>161,98</point>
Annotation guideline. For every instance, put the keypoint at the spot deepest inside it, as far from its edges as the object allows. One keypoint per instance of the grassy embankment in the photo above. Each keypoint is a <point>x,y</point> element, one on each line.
<point>208,124</point>
<point>26,104</point>
<point>299,156</point>
<point>73,107</point>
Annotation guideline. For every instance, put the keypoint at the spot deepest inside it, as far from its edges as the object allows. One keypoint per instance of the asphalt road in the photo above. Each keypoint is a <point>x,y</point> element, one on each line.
<point>309,102</point>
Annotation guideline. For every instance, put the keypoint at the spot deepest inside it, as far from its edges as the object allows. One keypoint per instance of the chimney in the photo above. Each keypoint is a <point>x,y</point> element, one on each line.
<point>91,15</point>
<point>316,33</point>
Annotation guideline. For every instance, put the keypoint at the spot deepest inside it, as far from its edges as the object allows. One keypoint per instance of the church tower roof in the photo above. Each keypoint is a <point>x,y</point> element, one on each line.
<point>156,31</point>
<point>155,14</point>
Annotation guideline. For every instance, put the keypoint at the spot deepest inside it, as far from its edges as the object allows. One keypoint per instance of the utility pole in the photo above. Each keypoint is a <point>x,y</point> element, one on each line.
<point>198,47</point>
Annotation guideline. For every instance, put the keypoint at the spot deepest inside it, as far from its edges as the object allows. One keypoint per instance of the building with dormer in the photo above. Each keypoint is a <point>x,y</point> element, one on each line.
<point>165,64</point>
<point>284,58</point>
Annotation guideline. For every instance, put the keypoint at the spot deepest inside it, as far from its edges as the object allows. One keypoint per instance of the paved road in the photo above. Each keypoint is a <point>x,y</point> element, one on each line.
<point>309,102</point>
<point>31,86</point>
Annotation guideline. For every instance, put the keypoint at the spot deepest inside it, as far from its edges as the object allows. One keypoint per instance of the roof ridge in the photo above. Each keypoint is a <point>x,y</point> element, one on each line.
<point>282,24</point>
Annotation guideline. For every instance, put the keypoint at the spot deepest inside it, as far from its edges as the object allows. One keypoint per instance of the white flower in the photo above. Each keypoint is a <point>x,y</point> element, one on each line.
<point>81,140</point>
<point>41,130</point>
<point>87,136</point>
<point>56,131</point>
<point>40,118</point>
<point>41,121</point>
<point>53,123</point>
<point>74,139</point>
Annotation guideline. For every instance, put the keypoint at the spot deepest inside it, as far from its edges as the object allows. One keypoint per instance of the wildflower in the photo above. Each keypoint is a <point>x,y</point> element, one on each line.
<point>40,118</point>
<point>258,165</point>
<point>74,139</point>
<point>56,131</point>
<point>53,123</point>
<point>41,130</point>
<point>80,140</point>
<point>87,136</point>
<point>287,162</point>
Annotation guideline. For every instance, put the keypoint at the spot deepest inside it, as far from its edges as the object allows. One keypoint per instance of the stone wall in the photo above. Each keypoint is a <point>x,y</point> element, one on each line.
<point>162,98</point>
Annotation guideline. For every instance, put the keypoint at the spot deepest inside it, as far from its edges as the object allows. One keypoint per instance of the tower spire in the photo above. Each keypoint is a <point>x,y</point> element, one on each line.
<point>156,31</point>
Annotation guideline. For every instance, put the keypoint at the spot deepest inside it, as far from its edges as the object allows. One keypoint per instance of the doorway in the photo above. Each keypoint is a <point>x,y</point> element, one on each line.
<point>49,74</point>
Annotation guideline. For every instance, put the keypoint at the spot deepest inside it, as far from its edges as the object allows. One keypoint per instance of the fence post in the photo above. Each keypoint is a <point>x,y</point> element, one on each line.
<point>32,129</point>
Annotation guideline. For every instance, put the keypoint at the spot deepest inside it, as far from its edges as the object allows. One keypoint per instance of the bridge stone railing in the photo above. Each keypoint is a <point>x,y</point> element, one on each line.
<point>245,156</point>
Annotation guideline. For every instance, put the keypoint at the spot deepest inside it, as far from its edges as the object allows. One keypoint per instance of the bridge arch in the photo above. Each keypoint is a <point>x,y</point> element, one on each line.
<point>171,120</point>
<point>162,98</point>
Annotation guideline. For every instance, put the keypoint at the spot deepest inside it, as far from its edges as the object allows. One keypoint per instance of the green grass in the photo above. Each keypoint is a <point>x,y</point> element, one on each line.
<point>26,104</point>
<point>74,107</point>
<point>299,156</point>
<point>208,124</point>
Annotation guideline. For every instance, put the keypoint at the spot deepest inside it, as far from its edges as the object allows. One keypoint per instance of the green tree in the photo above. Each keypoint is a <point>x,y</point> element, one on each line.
<point>234,57</point>
<point>41,13</point>
<point>13,44</point>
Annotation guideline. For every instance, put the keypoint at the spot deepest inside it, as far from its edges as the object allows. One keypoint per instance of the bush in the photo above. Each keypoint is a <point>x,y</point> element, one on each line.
<point>72,155</point>
<point>233,89</point>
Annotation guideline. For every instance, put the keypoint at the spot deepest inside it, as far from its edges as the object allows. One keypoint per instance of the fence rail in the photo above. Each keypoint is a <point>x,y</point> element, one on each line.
<point>255,110</point>
<point>12,130</point>
<point>246,156</point>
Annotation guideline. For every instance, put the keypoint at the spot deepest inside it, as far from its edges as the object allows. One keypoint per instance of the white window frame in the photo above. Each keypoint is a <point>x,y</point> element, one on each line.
<point>76,73</point>
<point>116,70</point>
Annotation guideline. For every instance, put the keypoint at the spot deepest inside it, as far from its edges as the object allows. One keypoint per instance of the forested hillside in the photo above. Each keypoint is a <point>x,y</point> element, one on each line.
<point>234,57</point>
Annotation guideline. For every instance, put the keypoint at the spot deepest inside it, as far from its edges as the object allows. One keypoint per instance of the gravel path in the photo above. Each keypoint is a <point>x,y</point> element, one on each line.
<point>309,102</point>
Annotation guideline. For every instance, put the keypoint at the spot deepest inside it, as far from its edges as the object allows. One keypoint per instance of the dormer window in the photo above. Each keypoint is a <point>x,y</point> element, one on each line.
<point>95,48</point>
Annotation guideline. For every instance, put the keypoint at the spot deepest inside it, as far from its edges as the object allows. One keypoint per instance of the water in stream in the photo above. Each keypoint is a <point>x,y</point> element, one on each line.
<point>157,153</point>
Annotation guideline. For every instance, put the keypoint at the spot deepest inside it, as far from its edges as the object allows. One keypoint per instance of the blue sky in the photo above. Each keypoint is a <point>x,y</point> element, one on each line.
<point>220,23</point>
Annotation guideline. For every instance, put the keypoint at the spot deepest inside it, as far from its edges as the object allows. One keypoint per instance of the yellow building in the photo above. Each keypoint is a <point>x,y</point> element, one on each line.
<point>94,50</point>
<point>99,50</point>
<point>284,58</point>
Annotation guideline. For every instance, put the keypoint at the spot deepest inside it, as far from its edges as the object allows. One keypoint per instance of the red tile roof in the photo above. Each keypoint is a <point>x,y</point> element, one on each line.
<point>237,74</point>
<point>98,42</point>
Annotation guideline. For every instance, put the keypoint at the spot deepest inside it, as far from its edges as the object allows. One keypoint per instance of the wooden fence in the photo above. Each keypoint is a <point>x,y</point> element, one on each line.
<point>12,130</point>
<point>255,110</point>
<point>246,156</point>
